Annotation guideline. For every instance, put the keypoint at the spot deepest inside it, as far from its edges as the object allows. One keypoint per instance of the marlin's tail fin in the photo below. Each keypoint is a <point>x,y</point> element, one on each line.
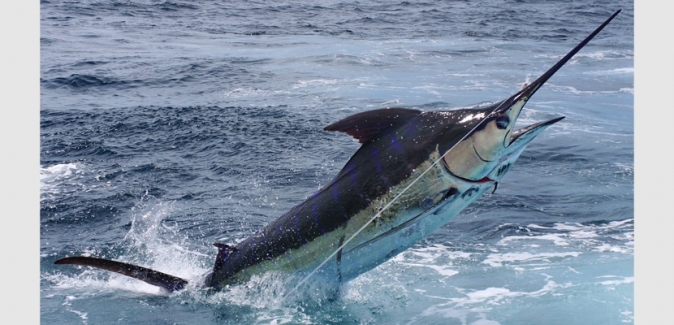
<point>168,282</point>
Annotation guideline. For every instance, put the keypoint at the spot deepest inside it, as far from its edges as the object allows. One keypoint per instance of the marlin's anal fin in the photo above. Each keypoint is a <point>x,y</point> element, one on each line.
<point>366,125</point>
<point>163,280</point>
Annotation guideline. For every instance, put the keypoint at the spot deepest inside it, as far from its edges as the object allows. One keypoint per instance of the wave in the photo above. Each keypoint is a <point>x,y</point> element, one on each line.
<point>84,81</point>
<point>615,236</point>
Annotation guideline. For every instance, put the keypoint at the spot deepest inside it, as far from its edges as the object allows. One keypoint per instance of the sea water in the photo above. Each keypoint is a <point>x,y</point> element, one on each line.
<point>167,126</point>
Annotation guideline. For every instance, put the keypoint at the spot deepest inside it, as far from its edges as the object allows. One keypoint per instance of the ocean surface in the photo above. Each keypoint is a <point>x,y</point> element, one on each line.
<point>167,126</point>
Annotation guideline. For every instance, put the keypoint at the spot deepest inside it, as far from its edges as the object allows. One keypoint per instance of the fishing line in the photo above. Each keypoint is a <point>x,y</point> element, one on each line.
<point>395,198</point>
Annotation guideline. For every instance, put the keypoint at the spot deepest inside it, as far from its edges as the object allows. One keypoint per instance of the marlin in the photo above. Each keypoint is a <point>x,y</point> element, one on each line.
<point>414,172</point>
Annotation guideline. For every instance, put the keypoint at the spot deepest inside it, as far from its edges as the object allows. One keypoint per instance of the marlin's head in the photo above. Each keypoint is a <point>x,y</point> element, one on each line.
<point>491,137</point>
<point>494,138</point>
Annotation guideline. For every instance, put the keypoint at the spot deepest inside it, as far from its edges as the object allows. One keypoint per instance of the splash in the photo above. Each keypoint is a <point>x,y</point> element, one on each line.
<point>152,241</point>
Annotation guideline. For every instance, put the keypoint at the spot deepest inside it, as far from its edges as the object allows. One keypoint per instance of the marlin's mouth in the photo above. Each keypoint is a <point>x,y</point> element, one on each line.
<point>478,154</point>
<point>482,180</point>
<point>527,133</point>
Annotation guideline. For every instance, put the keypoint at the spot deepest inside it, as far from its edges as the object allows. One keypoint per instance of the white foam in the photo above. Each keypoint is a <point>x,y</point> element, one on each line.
<point>583,237</point>
<point>466,74</point>
<point>612,71</point>
<point>566,226</point>
<point>52,178</point>
<point>497,260</point>
<point>48,174</point>
<point>625,280</point>
<point>570,227</point>
<point>485,322</point>
<point>68,304</point>
<point>482,295</point>
<point>433,257</point>
<point>611,248</point>
<point>367,85</point>
<point>596,55</point>
<point>620,223</point>
<point>486,297</point>
<point>392,102</point>
<point>430,254</point>
<point>583,234</point>
<point>625,167</point>
<point>557,239</point>
<point>54,174</point>
<point>629,316</point>
<point>432,89</point>
<point>442,270</point>
<point>575,91</point>
<point>315,83</point>
<point>243,92</point>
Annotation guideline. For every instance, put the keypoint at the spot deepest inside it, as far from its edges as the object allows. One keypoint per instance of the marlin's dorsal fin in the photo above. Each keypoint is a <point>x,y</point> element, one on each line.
<point>366,125</point>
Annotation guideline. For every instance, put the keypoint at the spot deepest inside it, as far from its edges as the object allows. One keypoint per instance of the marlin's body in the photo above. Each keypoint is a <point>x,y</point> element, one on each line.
<point>414,172</point>
<point>380,170</point>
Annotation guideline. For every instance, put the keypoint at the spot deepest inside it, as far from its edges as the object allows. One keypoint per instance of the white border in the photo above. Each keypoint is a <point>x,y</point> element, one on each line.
<point>20,161</point>
<point>653,141</point>
<point>19,131</point>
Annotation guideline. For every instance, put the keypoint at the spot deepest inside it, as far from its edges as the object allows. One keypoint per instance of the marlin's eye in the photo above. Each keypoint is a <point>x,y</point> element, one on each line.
<point>502,122</point>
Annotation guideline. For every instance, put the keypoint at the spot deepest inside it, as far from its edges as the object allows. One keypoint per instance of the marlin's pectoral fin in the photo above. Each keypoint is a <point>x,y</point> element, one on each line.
<point>366,125</point>
<point>163,280</point>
